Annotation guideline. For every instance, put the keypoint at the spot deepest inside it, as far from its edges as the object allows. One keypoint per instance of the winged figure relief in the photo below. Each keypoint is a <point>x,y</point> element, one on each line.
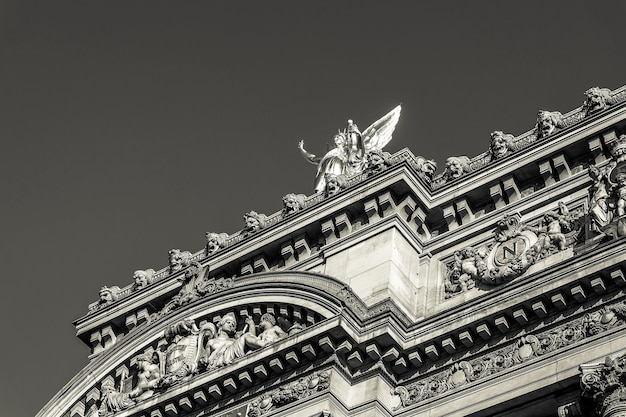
<point>349,154</point>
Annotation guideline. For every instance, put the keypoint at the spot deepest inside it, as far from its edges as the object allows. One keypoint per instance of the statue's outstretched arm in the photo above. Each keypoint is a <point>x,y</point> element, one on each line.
<point>307,155</point>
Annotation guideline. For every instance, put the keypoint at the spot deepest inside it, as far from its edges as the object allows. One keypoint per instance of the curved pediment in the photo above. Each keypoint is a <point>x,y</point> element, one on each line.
<point>260,326</point>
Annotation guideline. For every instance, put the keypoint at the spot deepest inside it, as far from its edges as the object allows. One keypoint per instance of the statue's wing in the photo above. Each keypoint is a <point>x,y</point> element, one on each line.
<point>379,133</point>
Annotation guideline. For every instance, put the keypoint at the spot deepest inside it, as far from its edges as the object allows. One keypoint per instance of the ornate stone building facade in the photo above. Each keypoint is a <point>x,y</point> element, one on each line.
<point>495,288</point>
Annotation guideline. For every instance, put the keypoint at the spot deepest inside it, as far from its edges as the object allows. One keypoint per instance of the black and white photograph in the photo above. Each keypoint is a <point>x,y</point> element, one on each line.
<point>313,209</point>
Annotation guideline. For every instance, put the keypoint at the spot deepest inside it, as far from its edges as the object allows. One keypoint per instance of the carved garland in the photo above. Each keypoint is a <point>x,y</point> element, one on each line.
<point>521,350</point>
<point>297,390</point>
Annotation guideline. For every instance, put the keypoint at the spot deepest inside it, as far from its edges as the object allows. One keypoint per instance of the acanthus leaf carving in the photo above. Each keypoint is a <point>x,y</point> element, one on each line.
<point>296,390</point>
<point>520,350</point>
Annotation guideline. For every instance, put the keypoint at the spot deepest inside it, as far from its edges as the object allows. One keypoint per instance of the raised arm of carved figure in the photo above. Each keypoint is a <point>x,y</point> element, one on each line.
<point>307,155</point>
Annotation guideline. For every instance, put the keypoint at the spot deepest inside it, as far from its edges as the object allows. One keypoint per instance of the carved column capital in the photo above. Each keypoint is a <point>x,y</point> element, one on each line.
<point>605,385</point>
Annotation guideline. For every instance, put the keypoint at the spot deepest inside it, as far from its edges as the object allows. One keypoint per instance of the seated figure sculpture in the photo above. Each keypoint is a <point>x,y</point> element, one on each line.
<point>223,347</point>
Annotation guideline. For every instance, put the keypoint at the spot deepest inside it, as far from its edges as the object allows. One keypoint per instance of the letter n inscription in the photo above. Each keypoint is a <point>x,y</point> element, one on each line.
<point>510,250</point>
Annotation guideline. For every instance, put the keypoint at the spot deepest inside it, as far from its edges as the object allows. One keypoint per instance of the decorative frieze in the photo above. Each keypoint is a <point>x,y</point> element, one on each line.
<point>520,350</point>
<point>302,388</point>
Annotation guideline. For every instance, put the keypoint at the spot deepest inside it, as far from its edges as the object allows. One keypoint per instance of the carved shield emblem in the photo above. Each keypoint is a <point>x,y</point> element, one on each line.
<point>181,356</point>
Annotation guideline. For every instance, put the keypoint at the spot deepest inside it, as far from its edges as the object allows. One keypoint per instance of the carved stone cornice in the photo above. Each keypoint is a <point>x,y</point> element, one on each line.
<point>506,358</point>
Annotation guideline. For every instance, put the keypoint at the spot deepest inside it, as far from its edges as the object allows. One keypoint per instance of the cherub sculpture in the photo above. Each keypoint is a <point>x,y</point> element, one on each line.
<point>348,155</point>
<point>596,99</point>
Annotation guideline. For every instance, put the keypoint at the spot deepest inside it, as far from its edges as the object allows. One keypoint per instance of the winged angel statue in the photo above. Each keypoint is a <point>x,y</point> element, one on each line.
<point>350,154</point>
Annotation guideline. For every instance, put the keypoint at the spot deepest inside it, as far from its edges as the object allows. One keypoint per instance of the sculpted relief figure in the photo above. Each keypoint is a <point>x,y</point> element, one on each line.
<point>108,295</point>
<point>178,260</point>
<point>254,223</point>
<point>333,184</point>
<point>548,122</point>
<point>456,166</point>
<point>377,160</point>
<point>223,346</point>
<point>500,144</point>
<point>148,375</point>
<point>426,167</point>
<point>292,203</point>
<point>599,205</point>
<point>347,157</point>
<point>215,242</point>
<point>142,278</point>
<point>596,99</point>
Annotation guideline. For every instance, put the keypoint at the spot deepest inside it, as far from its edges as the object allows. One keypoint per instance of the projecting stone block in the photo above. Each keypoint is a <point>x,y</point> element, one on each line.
<point>539,308</point>
<point>598,285</point>
<point>215,392</point>
<point>497,195</point>
<point>171,410</point>
<point>371,210</point>
<point>78,410</point>
<point>400,366</point>
<point>343,224</point>
<point>327,344</point>
<point>432,352</point>
<point>617,275</point>
<point>230,385</point>
<point>328,231</point>
<point>276,365</point>
<point>483,331</point>
<point>561,167</point>
<point>302,245</point>
<point>578,293</point>
<point>559,301</point>
<point>449,215</point>
<point>545,169</point>
<point>292,358</point>
<point>464,211</point>
<point>200,398</point>
<point>502,324</point>
<point>309,351</point>
<point>245,378</point>
<point>156,413</point>
<point>355,359</point>
<point>373,351</point>
<point>520,316</point>
<point>185,403</point>
<point>510,189</point>
<point>344,347</point>
<point>260,371</point>
<point>387,203</point>
<point>391,354</point>
<point>416,359</point>
<point>288,253</point>
<point>448,345</point>
<point>466,338</point>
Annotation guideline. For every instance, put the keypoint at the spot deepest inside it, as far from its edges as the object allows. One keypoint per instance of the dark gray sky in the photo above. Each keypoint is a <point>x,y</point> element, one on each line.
<point>130,128</point>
